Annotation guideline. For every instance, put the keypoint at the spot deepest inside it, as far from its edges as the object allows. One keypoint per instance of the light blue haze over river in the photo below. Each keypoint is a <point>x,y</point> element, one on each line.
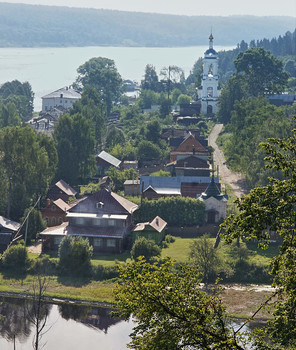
<point>48,69</point>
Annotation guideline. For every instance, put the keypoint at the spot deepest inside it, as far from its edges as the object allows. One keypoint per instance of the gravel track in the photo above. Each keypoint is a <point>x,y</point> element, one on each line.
<point>235,180</point>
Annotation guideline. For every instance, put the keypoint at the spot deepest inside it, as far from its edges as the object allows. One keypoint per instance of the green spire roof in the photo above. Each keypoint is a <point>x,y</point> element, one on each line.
<point>212,191</point>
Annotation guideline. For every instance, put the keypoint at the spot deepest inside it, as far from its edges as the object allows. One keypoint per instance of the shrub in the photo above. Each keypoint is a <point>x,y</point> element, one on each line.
<point>145,247</point>
<point>102,273</point>
<point>74,255</point>
<point>44,265</point>
<point>16,257</point>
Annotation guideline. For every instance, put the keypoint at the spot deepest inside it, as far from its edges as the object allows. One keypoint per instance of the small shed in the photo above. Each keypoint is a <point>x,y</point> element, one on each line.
<point>132,187</point>
<point>154,230</point>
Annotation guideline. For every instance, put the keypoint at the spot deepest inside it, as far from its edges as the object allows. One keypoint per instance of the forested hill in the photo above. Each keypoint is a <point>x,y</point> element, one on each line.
<point>44,26</point>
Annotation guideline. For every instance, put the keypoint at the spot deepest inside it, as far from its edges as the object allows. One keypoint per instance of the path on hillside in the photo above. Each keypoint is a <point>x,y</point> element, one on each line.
<point>235,180</point>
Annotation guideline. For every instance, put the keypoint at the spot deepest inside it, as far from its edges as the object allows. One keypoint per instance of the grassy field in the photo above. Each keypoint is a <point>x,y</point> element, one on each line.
<point>238,302</point>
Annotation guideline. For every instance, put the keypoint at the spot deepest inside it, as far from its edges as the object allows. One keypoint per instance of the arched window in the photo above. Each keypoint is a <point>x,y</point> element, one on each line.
<point>53,221</point>
<point>60,220</point>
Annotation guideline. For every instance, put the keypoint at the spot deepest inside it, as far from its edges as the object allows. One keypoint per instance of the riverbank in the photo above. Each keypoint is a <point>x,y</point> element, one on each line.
<point>241,301</point>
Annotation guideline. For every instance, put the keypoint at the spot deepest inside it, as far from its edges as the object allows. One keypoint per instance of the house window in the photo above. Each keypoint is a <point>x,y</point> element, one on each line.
<point>60,220</point>
<point>57,240</point>
<point>79,221</point>
<point>111,243</point>
<point>46,220</point>
<point>53,207</point>
<point>150,236</point>
<point>98,242</point>
<point>53,221</point>
<point>111,222</point>
<point>96,222</point>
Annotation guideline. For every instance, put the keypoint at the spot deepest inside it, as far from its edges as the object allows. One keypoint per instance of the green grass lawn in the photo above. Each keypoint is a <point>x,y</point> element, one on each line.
<point>178,250</point>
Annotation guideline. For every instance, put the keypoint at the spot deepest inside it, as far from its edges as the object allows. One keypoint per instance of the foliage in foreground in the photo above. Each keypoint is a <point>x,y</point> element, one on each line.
<point>263,212</point>
<point>172,311</point>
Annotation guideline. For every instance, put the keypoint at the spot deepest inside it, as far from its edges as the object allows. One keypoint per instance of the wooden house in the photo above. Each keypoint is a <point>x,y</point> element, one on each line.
<point>105,218</point>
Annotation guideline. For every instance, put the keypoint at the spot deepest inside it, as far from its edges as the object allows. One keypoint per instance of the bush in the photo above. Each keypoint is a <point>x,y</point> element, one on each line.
<point>102,273</point>
<point>44,265</point>
<point>145,247</point>
<point>74,255</point>
<point>16,257</point>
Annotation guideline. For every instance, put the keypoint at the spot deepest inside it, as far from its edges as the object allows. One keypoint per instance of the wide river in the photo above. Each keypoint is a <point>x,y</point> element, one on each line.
<point>48,69</point>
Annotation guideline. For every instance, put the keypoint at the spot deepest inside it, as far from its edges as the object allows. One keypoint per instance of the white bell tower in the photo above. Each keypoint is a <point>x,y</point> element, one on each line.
<point>209,81</point>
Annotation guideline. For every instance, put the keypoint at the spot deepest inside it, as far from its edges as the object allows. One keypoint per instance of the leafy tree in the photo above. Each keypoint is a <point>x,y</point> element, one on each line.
<point>183,99</point>
<point>118,177</point>
<point>153,131</point>
<point>150,81</point>
<point>147,150</point>
<point>25,167</point>
<point>101,73</point>
<point>234,90</point>
<point>268,210</point>
<point>16,258</point>
<point>92,107</point>
<point>263,72</point>
<point>35,223</point>
<point>9,115</point>
<point>74,255</point>
<point>114,137</point>
<point>203,254</point>
<point>252,121</point>
<point>21,95</point>
<point>171,310</point>
<point>75,146</point>
<point>146,248</point>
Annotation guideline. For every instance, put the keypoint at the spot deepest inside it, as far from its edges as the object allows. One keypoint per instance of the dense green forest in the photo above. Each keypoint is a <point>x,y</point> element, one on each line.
<point>45,26</point>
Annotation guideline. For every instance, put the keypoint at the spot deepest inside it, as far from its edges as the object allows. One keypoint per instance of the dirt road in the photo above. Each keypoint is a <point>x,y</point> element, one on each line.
<point>235,180</point>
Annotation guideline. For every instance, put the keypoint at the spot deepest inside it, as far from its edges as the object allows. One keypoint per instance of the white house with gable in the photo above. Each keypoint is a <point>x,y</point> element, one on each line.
<point>64,97</point>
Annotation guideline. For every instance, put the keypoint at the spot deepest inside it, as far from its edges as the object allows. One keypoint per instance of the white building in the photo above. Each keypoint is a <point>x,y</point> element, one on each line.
<point>64,97</point>
<point>215,203</point>
<point>209,92</point>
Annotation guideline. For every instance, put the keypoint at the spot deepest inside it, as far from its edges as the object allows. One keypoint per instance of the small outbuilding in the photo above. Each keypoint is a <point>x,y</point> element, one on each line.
<point>154,230</point>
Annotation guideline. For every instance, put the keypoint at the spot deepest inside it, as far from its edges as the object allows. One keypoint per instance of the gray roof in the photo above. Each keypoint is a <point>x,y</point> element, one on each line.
<point>66,92</point>
<point>161,182</point>
<point>9,224</point>
<point>109,159</point>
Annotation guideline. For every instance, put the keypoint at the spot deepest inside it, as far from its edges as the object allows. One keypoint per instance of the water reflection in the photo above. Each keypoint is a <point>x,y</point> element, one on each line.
<point>68,326</point>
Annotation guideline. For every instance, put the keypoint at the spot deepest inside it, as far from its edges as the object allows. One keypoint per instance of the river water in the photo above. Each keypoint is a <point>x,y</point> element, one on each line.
<point>67,327</point>
<point>48,69</point>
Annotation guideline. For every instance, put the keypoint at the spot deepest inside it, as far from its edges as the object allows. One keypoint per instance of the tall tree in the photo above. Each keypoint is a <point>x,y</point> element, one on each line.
<point>25,168</point>
<point>21,95</point>
<point>9,115</point>
<point>150,81</point>
<point>93,107</point>
<point>75,146</point>
<point>262,71</point>
<point>101,73</point>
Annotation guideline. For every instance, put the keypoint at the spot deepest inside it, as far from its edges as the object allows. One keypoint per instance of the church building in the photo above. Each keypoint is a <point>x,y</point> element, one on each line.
<point>209,91</point>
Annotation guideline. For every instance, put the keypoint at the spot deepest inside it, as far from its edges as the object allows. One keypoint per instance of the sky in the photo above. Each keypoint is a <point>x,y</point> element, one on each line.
<point>184,7</point>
